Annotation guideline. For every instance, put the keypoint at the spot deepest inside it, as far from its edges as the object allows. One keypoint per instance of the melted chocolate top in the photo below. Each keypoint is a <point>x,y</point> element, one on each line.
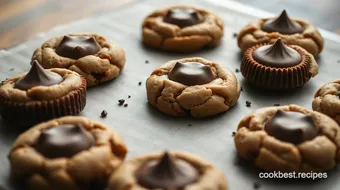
<point>64,141</point>
<point>75,47</point>
<point>38,76</point>
<point>293,127</point>
<point>282,24</point>
<point>167,173</point>
<point>277,55</point>
<point>192,73</point>
<point>183,17</point>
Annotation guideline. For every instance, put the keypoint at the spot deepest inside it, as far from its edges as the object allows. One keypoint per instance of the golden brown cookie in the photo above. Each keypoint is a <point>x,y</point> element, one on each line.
<point>42,94</point>
<point>90,55</point>
<point>180,170</point>
<point>192,85</point>
<point>289,138</point>
<point>258,32</point>
<point>182,29</point>
<point>326,100</point>
<point>70,153</point>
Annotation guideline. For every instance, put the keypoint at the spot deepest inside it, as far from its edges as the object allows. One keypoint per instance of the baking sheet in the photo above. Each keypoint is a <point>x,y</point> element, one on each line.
<point>147,130</point>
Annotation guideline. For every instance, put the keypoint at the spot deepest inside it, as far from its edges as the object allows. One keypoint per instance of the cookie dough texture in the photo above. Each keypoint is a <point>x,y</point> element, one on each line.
<point>161,35</point>
<point>211,179</point>
<point>310,39</point>
<point>101,67</point>
<point>177,99</point>
<point>75,173</point>
<point>326,100</point>
<point>320,154</point>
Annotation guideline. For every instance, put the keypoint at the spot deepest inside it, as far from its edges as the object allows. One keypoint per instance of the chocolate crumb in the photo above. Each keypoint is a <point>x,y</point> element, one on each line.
<point>140,83</point>
<point>103,114</point>
<point>129,96</point>
<point>276,104</point>
<point>121,102</point>
<point>256,185</point>
<point>234,34</point>
<point>248,103</point>
<point>126,105</point>
<point>146,61</point>
<point>12,69</point>
<point>241,88</point>
<point>237,70</point>
<point>233,133</point>
<point>189,125</point>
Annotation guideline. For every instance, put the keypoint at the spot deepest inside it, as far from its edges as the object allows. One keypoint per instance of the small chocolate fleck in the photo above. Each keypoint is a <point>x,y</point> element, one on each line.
<point>126,105</point>
<point>233,133</point>
<point>256,185</point>
<point>241,88</point>
<point>140,83</point>
<point>248,103</point>
<point>237,70</point>
<point>12,69</point>
<point>234,35</point>
<point>129,96</point>
<point>146,61</point>
<point>103,114</point>
<point>276,104</point>
<point>121,102</point>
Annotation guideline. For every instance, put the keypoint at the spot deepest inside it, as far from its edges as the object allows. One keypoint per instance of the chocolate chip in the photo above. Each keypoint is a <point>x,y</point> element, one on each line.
<point>103,114</point>
<point>256,185</point>
<point>146,61</point>
<point>234,35</point>
<point>126,105</point>
<point>140,83</point>
<point>121,102</point>
<point>248,103</point>
<point>276,104</point>
<point>233,133</point>
<point>12,69</point>
<point>129,96</point>
<point>237,70</point>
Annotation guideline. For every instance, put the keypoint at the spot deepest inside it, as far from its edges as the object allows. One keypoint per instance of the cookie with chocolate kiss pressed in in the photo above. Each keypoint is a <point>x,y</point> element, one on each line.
<point>192,86</point>
<point>90,55</point>
<point>278,66</point>
<point>289,138</point>
<point>291,31</point>
<point>182,29</point>
<point>168,170</point>
<point>66,153</point>
<point>41,94</point>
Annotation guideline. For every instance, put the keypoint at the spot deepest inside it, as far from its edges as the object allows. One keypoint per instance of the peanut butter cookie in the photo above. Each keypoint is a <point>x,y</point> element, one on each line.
<point>169,170</point>
<point>289,138</point>
<point>182,29</point>
<point>70,153</point>
<point>90,55</point>
<point>326,100</point>
<point>291,31</point>
<point>192,85</point>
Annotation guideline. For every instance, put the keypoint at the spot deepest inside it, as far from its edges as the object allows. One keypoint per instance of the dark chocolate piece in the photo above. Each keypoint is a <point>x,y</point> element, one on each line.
<point>64,141</point>
<point>103,114</point>
<point>38,76</point>
<point>121,102</point>
<point>146,61</point>
<point>233,134</point>
<point>293,127</point>
<point>167,173</point>
<point>192,73</point>
<point>277,55</point>
<point>183,17</point>
<point>129,96</point>
<point>237,70</point>
<point>75,47</point>
<point>282,24</point>
<point>235,35</point>
<point>248,103</point>
<point>126,105</point>
<point>139,83</point>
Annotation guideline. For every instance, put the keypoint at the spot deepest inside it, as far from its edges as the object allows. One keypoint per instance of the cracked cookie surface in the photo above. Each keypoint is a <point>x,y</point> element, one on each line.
<point>177,99</point>
<point>102,66</point>
<point>170,37</point>
<point>78,172</point>
<point>318,154</point>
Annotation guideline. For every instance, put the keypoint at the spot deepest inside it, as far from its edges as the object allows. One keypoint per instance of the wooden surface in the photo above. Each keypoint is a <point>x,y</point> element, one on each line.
<point>20,20</point>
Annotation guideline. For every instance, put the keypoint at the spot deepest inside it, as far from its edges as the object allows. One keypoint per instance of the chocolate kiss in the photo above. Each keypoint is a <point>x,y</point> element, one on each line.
<point>293,127</point>
<point>38,76</point>
<point>75,47</point>
<point>64,141</point>
<point>167,173</point>
<point>182,17</point>
<point>282,24</point>
<point>277,55</point>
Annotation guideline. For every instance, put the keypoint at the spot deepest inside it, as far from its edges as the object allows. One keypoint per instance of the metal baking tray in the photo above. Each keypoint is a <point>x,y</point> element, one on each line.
<point>147,130</point>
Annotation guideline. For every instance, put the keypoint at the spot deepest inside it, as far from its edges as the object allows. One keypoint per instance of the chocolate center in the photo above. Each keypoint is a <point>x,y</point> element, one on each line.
<point>293,127</point>
<point>38,76</point>
<point>64,141</point>
<point>183,17</point>
<point>167,173</point>
<point>282,24</point>
<point>277,55</point>
<point>75,47</point>
<point>191,73</point>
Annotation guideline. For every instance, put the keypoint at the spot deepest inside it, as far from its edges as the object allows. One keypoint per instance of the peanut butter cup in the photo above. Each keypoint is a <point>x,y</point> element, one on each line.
<point>182,17</point>
<point>75,47</point>
<point>282,24</point>
<point>278,66</point>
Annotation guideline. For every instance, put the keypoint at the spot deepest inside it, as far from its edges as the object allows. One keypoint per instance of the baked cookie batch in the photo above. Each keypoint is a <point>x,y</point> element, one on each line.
<point>74,152</point>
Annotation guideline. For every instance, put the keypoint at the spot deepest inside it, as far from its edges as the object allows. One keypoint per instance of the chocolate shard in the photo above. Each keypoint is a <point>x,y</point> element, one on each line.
<point>38,76</point>
<point>75,47</point>
<point>167,173</point>
<point>293,127</point>
<point>277,55</point>
<point>192,73</point>
<point>183,17</point>
<point>64,141</point>
<point>282,24</point>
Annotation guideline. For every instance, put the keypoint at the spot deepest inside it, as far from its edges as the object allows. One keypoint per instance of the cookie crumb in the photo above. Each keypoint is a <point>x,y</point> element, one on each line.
<point>146,61</point>
<point>256,185</point>
<point>234,34</point>
<point>276,104</point>
<point>248,103</point>
<point>121,102</point>
<point>140,83</point>
<point>189,125</point>
<point>103,114</point>
<point>233,133</point>
<point>12,69</point>
<point>237,70</point>
<point>241,88</point>
<point>129,96</point>
<point>126,105</point>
